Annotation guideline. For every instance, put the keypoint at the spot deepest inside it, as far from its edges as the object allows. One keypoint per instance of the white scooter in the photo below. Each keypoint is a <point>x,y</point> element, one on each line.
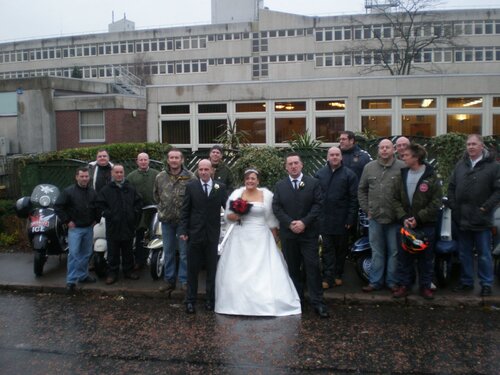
<point>100,249</point>
<point>156,260</point>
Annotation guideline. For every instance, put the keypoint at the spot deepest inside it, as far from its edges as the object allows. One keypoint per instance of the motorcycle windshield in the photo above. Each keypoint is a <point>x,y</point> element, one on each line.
<point>44,195</point>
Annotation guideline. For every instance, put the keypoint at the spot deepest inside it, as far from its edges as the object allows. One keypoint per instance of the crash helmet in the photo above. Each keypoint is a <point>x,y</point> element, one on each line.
<point>413,241</point>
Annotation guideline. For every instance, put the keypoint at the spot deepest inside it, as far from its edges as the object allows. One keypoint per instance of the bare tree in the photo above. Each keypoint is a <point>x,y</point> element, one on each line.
<point>405,35</point>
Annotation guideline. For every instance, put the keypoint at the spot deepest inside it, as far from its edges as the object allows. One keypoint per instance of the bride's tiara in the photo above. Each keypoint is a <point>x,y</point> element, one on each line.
<point>251,170</point>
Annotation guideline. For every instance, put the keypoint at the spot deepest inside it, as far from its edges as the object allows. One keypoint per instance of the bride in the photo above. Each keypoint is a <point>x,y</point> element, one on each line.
<point>252,276</point>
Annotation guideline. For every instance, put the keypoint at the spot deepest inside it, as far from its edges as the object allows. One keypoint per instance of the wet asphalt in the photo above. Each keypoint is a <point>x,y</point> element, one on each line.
<point>131,328</point>
<point>44,333</point>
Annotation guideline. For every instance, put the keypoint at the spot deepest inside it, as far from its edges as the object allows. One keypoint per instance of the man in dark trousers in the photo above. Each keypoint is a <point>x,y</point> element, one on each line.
<point>76,208</point>
<point>200,226</point>
<point>121,206</point>
<point>297,205</point>
<point>339,214</point>
<point>143,180</point>
<point>474,194</point>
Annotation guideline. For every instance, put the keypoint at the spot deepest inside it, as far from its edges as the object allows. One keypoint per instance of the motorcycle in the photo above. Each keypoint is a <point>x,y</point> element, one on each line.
<point>361,251</point>
<point>46,232</point>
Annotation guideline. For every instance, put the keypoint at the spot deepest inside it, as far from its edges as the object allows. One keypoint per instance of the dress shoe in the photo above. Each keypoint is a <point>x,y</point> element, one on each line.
<point>463,288</point>
<point>485,291</point>
<point>110,280</point>
<point>370,288</point>
<point>427,293</point>
<point>190,308</point>
<point>322,311</point>
<point>132,276</point>
<point>338,282</point>
<point>88,280</point>
<point>325,285</point>
<point>400,292</point>
<point>70,288</point>
<point>167,287</point>
<point>209,306</point>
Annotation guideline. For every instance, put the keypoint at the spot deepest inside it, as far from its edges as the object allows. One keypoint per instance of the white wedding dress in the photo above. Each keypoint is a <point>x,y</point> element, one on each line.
<point>252,275</point>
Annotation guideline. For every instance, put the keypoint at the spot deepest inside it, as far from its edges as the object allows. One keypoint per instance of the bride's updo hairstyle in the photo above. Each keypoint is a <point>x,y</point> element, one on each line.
<point>251,170</point>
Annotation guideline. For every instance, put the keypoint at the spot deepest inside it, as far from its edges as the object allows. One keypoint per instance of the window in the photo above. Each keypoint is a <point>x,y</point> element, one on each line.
<point>474,102</point>
<point>212,108</point>
<point>174,109</point>
<point>376,104</point>
<point>379,125</point>
<point>92,126</point>
<point>210,129</point>
<point>330,105</point>
<point>329,128</point>
<point>289,106</point>
<point>254,127</point>
<point>419,125</point>
<point>466,123</point>
<point>175,131</point>
<point>418,103</point>
<point>285,128</point>
<point>251,107</point>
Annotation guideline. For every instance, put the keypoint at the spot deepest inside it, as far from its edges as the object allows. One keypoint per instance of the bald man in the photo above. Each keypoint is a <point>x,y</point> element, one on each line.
<point>143,179</point>
<point>200,227</point>
<point>338,214</point>
<point>401,145</point>
<point>375,198</point>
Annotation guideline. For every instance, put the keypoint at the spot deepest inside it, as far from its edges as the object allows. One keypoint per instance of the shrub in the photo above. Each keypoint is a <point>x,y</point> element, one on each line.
<point>267,160</point>
<point>447,149</point>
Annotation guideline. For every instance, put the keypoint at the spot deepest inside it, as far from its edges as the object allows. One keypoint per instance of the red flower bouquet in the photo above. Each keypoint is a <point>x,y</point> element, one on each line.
<point>240,206</point>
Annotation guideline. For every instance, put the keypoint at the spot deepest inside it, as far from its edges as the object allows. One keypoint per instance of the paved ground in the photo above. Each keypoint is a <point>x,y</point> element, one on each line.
<point>16,273</point>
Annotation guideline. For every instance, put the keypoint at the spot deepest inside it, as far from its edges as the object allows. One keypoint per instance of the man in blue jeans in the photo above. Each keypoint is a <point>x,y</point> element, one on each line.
<point>168,192</point>
<point>375,198</point>
<point>75,207</point>
<point>473,195</point>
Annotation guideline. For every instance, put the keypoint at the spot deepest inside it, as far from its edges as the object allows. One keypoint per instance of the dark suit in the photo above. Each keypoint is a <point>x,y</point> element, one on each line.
<point>303,204</point>
<point>200,220</point>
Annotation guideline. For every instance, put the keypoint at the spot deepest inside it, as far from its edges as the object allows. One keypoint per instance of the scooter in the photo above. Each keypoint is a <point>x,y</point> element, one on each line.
<point>46,232</point>
<point>361,251</point>
<point>446,248</point>
<point>100,248</point>
<point>156,259</point>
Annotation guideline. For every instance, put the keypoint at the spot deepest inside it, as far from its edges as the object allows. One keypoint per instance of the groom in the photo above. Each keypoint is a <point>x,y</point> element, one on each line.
<point>200,226</point>
<point>297,204</point>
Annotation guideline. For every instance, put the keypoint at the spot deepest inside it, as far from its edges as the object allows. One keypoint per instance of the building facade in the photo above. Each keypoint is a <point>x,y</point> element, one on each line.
<point>277,74</point>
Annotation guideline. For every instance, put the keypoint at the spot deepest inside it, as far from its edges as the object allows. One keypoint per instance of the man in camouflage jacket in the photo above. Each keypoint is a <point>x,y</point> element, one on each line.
<point>168,191</point>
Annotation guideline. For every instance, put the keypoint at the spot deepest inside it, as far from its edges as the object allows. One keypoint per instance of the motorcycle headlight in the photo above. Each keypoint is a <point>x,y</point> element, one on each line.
<point>44,201</point>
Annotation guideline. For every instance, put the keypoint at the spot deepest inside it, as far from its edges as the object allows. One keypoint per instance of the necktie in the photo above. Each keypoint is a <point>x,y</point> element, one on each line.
<point>295,184</point>
<point>206,189</point>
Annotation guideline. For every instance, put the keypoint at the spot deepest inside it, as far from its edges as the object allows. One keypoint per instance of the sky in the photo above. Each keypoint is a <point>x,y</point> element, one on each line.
<point>30,19</point>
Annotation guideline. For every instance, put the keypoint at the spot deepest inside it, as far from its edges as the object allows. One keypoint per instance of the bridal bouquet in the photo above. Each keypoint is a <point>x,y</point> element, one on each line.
<point>240,206</point>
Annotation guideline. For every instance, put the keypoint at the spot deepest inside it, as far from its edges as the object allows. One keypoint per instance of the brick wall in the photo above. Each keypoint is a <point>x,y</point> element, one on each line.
<point>120,127</point>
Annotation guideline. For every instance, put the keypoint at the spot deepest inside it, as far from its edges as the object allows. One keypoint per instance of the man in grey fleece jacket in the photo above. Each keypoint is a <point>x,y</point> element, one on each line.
<point>375,198</point>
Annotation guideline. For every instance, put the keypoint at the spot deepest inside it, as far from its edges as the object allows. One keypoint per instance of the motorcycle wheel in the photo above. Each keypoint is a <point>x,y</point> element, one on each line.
<point>363,265</point>
<point>156,267</point>
<point>38,263</point>
<point>99,264</point>
<point>442,270</point>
